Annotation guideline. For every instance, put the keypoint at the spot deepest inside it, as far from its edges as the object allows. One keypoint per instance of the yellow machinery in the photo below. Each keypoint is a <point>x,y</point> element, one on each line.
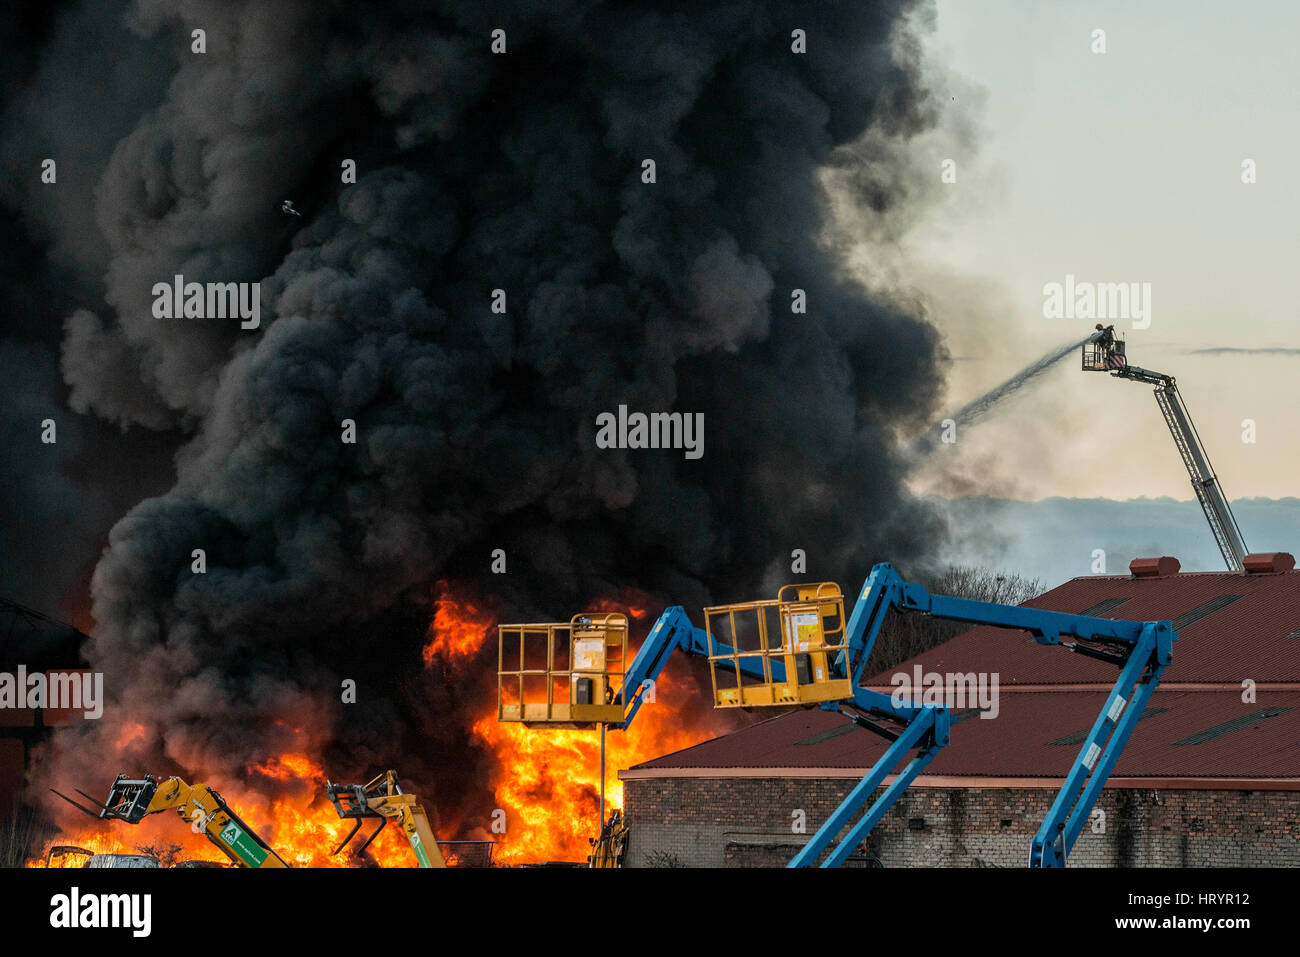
<point>132,799</point>
<point>607,850</point>
<point>574,675</point>
<point>562,675</point>
<point>779,653</point>
<point>383,798</point>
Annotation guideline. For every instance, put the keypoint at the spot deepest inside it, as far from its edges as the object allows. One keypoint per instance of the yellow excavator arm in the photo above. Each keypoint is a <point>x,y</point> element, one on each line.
<point>132,799</point>
<point>383,798</point>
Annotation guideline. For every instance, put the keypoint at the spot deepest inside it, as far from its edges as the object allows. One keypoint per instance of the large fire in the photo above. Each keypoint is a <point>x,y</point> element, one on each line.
<point>301,827</point>
<point>546,781</point>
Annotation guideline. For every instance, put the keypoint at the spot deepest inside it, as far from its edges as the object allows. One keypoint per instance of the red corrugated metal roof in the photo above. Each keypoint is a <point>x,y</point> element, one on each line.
<point>1244,639</point>
<point>1019,742</point>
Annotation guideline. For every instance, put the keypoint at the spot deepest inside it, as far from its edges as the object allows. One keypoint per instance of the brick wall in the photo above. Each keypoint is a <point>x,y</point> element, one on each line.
<point>747,822</point>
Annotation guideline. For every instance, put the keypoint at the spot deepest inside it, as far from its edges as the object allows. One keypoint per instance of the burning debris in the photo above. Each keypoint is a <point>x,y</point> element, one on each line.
<point>385,428</point>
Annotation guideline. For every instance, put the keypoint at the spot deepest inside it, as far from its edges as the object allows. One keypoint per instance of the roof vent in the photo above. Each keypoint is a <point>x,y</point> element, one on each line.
<point>1154,567</point>
<point>1265,562</point>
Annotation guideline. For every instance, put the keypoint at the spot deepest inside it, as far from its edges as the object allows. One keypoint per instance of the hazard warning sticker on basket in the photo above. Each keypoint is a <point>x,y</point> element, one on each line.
<point>589,654</point>
<point>806,628</point>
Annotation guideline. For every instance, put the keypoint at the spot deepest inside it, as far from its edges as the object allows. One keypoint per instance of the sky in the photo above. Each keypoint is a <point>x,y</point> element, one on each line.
<point>1056,539</point>
<point>1123,166</point>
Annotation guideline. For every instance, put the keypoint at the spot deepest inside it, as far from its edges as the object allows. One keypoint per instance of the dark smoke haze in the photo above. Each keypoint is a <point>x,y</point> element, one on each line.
<point>475,431</point>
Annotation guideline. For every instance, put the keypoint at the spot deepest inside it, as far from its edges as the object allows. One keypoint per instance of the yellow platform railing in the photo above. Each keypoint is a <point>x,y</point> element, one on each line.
<point>562,675</point>
<point>801,633</point>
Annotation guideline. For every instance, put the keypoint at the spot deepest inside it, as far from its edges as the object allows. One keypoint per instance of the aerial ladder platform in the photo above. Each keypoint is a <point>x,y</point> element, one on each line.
<point>1104,352</point>
<point>132,799</point>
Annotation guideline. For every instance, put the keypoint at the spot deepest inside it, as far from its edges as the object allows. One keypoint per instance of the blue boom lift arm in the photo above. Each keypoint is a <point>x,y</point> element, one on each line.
<point>673,630</point>
<point>1141,650</point>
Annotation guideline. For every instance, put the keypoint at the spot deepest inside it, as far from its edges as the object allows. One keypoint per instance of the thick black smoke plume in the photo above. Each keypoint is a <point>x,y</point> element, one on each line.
<point>476,431</point>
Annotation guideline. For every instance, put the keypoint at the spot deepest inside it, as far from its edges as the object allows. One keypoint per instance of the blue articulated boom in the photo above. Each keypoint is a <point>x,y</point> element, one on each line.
<point>672,630</point>
<point>1141,651</point>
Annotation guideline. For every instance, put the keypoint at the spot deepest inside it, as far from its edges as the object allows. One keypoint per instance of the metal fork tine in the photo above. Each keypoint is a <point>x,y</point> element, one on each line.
<point>351,834</point>
<point>383,823</point>
<point>92,800</point>
<point>80,807</point>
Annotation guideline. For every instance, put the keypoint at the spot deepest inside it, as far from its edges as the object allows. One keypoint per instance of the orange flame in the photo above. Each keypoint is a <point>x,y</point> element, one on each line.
<point>132,733</point>
<point>630,601</point>
<point>548,781</point>
<point>458,630</point>
<point>301,827</point>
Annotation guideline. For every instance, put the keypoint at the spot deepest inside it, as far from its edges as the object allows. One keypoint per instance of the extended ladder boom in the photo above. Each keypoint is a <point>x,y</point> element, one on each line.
<point>1205,483</point>
<point>1105,353</point>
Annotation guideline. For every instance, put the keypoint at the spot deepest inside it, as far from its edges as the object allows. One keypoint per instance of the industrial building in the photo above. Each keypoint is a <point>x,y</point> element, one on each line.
<point>41,645</point>
<point>1210,776</point>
